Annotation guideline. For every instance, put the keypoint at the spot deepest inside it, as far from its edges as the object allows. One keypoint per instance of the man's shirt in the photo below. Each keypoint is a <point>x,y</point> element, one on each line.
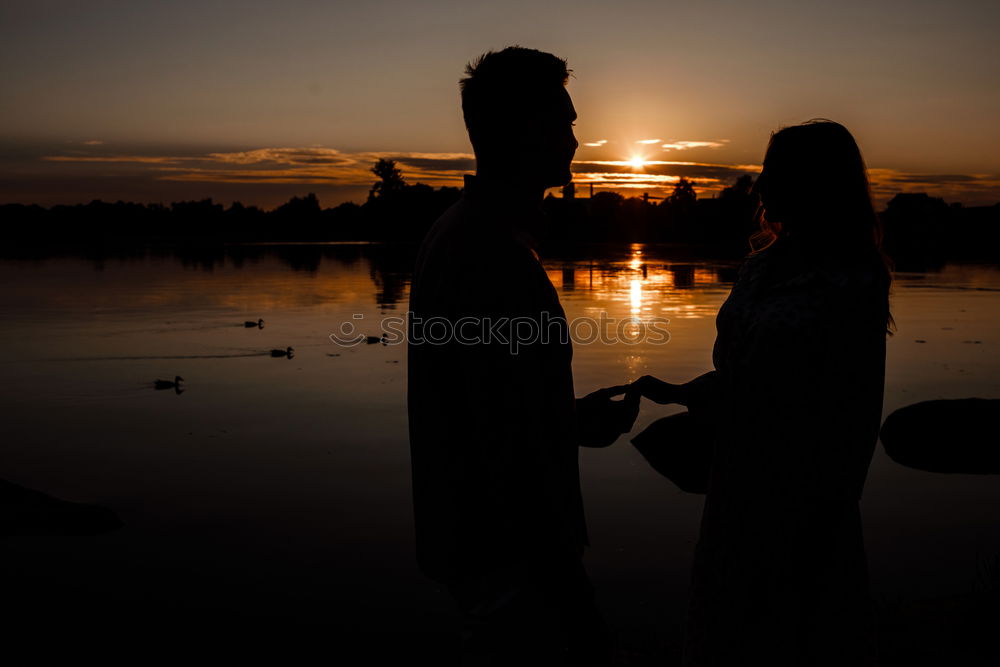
<point>493,436</point>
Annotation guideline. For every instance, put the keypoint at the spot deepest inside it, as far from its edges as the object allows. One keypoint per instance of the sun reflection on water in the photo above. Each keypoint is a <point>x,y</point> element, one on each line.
<point>635,296</point>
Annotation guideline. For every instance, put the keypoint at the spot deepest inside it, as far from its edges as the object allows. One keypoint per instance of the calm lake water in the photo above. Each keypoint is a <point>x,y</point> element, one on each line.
<point>293,474</point>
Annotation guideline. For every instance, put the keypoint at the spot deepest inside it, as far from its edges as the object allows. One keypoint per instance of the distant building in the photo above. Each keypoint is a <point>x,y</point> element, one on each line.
<point>569,191</point>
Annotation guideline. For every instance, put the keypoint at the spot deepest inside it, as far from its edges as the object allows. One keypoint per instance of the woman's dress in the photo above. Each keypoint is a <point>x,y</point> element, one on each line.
<point>780,575</point>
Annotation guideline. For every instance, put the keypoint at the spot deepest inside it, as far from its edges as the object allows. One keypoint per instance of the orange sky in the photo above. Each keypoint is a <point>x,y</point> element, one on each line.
<point>259,101</point>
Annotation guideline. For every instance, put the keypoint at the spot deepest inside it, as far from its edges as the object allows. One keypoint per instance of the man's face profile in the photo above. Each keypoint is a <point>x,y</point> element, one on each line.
<point>548,143</point>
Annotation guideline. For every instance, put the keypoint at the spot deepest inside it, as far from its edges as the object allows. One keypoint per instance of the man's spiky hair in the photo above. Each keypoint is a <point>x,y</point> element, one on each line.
<point>496,80</point>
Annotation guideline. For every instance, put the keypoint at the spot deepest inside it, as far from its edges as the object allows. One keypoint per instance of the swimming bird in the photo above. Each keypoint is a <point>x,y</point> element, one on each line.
<point>282,353</point>
<point>371,340</point>
<point>167,384</point>
<point>259,324</point>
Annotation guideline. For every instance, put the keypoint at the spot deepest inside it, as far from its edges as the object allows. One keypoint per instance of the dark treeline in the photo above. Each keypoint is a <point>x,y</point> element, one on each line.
<point>921,231</point>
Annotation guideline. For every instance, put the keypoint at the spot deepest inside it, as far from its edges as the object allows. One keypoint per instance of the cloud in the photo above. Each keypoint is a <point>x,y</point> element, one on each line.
<point>255,176</point>
<point>685,145</point>
<point>658,177</point>
<point>287,156</point>
<point>974,188</point>
<point>701,170</point>
<point>277,171</point>
<point>139,159</point>
<point>93,142</point>
<point>648,181</point>
<point>595,144</point>
<point>310,165</point>
<point>892,176</point>
<point>432,162</point>
<point>317,165</point>
<point>649,141</point>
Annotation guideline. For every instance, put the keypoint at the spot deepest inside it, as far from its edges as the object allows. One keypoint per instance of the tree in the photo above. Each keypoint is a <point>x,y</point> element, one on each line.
<point>391,179</point>
<point>739,190</point>
<point>683,194</point>
<point>299,207</point>
<point>917,230</point>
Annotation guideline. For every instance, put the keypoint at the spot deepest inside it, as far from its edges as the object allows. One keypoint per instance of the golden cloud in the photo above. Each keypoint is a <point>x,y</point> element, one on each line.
<point>320,165</point>
<point>686,145</point>
<point>290,165</point>
<point>138,159</point>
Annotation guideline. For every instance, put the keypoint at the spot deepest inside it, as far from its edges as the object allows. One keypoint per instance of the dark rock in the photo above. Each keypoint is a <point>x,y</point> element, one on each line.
<point>27,512</point>
<point>945,436</point>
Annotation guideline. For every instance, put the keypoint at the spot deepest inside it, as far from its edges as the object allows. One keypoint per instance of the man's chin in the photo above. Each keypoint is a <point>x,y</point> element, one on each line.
<point>561,180</point>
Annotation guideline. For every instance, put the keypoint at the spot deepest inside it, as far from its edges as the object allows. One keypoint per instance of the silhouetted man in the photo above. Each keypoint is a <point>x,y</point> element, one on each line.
<point>494,424</point>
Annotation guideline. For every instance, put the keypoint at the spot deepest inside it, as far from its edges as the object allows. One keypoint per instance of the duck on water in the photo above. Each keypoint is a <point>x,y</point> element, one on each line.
<point>167,384</point>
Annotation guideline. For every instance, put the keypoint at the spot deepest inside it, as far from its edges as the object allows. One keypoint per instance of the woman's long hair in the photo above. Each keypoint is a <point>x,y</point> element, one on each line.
<point>814,188</point>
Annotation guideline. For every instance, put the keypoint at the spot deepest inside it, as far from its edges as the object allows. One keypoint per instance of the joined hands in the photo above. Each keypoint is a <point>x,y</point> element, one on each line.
<point>657,390</point>
<point>601,420</point>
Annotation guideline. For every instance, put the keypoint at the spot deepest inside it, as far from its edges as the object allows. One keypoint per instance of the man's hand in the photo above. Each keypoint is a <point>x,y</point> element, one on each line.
<point>657,390</point>
<point>600,420</point>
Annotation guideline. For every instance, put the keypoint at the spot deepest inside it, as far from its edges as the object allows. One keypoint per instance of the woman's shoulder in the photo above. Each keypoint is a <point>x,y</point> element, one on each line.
<point>785,264</point>
<point>792,287</point>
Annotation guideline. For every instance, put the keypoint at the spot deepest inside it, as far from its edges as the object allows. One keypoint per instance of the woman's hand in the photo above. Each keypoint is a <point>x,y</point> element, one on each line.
<point>657,390</point>
<point>601,420</point>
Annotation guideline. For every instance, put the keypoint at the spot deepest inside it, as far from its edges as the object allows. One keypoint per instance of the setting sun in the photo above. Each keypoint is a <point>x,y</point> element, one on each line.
<point>637,162</point>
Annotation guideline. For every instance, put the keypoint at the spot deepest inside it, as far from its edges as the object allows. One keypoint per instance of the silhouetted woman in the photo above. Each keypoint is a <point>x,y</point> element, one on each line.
<point>794,403</point>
